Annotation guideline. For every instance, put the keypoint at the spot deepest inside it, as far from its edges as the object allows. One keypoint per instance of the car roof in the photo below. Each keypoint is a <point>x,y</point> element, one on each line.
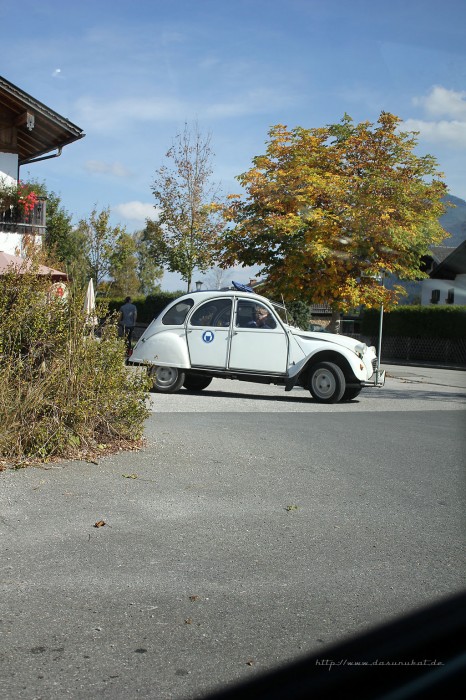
<point>218,293</point>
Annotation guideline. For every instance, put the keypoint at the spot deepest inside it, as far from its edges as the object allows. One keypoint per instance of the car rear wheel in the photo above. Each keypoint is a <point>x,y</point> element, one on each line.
<point>166,380</point>
<point>195,382</point>
<point>327,382</point>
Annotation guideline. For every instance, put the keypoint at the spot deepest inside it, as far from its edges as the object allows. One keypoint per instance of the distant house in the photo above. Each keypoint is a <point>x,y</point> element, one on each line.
<point>29,132</point>
<point>447,276</point>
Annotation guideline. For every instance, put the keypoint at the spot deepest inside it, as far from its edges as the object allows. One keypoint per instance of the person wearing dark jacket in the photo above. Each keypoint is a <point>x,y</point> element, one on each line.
<point>128,316</point>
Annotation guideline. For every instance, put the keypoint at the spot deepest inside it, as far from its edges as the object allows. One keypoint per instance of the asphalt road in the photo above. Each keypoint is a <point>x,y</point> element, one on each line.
<point>406,389</point>
<point>248,533</point>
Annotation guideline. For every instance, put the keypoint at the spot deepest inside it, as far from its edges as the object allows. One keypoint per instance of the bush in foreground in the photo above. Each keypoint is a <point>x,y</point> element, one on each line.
<point>64,392</point>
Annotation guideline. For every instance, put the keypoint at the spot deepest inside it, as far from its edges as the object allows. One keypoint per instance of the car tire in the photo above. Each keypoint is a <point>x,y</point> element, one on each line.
<point>326,382</point>
<point>195,382</point>
<point>166,380</point>
<point>351,394</point>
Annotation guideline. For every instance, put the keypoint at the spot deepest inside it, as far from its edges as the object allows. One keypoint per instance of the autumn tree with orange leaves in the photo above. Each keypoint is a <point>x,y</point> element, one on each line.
<point>327,210</point>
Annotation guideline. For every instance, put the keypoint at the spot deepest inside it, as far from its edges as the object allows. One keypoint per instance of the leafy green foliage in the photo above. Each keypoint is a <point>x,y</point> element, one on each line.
<point>328,210</point>
<point>148,307</point>
<point>101,243</point>
<point>121,261</point>
<point>123,266</point>
<point>64,391</point>
<point>299,314</point>
<point>64,247</point>
<point>148,272</point>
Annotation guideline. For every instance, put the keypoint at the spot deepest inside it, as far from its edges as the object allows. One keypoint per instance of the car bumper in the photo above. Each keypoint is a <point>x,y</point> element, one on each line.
<point>377,379</point>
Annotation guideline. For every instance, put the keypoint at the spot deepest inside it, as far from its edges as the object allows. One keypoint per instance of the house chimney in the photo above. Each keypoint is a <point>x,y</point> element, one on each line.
<point>252,282</point>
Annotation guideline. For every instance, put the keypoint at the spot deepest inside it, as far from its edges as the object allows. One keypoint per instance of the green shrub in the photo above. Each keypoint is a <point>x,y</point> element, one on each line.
<point>299,314</point>
<point>148,307</point>
<point>65,393</point>
<point>418,322</point>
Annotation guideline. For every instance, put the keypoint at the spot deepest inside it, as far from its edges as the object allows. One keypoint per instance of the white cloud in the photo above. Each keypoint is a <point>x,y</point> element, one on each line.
<point>452,133</point>
<point>100,167</point>
<point>107,115</point>
<point>136,211</point>
<point>440,102</point>
<point>252,102</point>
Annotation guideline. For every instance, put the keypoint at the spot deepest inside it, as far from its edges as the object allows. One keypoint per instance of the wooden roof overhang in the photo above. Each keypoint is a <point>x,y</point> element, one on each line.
<point>453,265</point>
<point>29,128</point>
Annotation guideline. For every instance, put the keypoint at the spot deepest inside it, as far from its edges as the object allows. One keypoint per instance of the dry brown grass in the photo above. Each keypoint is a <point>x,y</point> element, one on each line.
<point>64,392</point>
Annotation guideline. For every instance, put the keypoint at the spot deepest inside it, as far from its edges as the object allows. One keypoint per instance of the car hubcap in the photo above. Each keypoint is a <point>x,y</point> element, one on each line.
<point>166,376</point>
<point>323,383</point>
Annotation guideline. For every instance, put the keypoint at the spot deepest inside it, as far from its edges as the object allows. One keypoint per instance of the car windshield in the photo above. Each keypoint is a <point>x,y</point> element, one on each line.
<point>280,310</point>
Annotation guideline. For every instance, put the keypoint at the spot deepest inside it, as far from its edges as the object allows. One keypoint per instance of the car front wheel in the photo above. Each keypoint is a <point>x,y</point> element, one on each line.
<point>166,380</point>
<point>327,382</point>
<point>351,394</point>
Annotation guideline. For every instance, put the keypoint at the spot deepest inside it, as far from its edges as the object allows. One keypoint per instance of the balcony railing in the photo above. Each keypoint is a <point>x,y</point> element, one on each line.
<point>321,309</point>
<point>12,220</point>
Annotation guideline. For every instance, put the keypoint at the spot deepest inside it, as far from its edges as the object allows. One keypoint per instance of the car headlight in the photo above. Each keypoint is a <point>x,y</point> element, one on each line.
<point>360,350</point>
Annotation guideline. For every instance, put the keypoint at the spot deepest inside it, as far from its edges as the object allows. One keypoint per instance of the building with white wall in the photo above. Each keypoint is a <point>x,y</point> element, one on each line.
<point>29,132</point>
<point>447,279</point>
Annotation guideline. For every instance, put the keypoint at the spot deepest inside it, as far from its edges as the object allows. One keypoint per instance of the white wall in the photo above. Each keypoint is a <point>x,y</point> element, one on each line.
<point>9,167</point>
<point>458,285</point>
<point>11,243</point>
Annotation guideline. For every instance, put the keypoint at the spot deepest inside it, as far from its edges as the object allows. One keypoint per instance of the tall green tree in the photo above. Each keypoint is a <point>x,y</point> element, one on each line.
<point>149,273</point>
<point>123,269</point>
<point>189,221</point>
<point>63,244</point>
<point>102,241</point>
<point>327,211</point>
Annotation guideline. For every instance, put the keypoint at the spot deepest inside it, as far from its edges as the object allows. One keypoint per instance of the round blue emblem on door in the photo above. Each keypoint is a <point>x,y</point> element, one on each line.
<point>207,336</point>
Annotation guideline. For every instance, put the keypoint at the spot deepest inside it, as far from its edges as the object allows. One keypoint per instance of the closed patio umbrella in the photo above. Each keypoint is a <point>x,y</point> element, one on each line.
<point>89,304</point>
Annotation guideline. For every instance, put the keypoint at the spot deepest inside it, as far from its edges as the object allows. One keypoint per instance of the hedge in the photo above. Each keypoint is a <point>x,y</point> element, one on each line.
<point>418,322</point>
<point>148,307</point>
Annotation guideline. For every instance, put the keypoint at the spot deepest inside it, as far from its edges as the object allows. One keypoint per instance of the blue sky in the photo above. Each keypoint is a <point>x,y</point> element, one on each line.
<point>131,72</point>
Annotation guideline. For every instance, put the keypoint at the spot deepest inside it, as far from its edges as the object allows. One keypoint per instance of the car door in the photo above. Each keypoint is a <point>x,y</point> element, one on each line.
<point>208,334</point>
<point>256,345</point>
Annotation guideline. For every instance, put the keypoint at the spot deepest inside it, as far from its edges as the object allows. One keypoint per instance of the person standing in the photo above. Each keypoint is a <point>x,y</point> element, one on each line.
<point>128,316</point>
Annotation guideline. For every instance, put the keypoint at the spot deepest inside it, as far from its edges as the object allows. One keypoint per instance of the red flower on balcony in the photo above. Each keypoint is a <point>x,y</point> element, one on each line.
<point>21,206</point>
<point>27,199</point>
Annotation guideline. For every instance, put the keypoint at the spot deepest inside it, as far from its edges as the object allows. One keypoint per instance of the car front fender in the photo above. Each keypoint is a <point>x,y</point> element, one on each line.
<point>353,367</point>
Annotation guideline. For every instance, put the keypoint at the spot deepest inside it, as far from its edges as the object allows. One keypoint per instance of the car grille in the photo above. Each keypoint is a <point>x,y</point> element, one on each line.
<point>374,364</point>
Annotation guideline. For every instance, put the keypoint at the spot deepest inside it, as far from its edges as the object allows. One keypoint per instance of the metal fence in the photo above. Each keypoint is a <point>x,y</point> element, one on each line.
<point>438,350</point>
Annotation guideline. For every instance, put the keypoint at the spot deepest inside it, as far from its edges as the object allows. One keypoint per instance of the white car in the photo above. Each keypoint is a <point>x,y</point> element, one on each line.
<point>237,334</point>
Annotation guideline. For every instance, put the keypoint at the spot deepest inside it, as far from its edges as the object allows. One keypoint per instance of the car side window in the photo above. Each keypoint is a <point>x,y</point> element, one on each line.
<point>216,313</point>
<point>250,314</point>
<point>176,315</point>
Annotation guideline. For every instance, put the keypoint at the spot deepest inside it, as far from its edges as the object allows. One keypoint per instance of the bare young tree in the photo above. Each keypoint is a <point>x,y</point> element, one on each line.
<point>190,221</point>
<point>216,277</point>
